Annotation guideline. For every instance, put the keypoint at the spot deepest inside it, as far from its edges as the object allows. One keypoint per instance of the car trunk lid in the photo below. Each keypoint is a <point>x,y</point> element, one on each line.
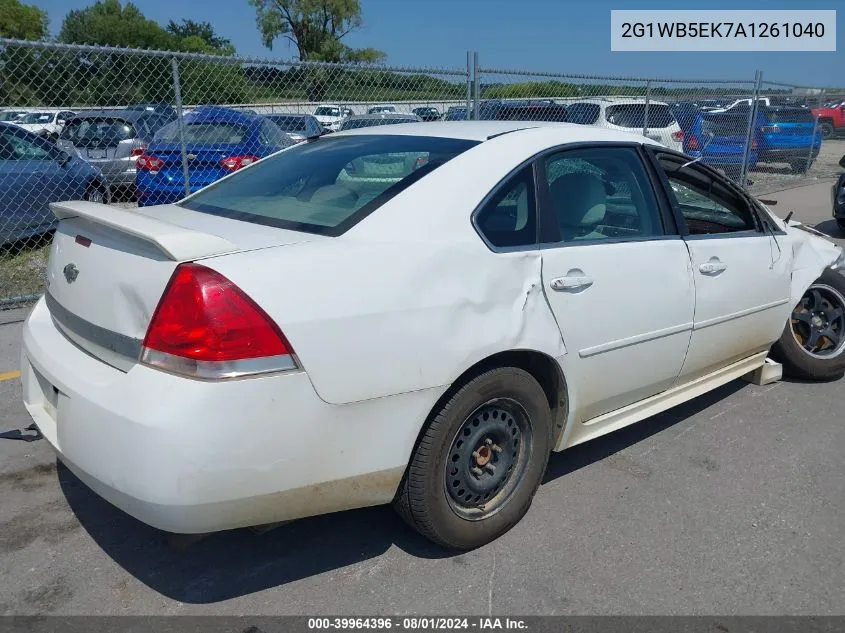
<point>109,267</point>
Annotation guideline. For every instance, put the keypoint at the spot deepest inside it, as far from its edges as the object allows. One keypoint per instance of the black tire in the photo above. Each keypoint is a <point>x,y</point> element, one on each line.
<point>827,129</point>
<point>798,166</point>
<point>423,500</point>
<point>841,223</point>
<point>792,350</point>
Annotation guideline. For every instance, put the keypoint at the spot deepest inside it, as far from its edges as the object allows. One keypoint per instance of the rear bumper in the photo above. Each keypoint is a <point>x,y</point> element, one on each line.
<point>192,457</point>
<point>776,154</point>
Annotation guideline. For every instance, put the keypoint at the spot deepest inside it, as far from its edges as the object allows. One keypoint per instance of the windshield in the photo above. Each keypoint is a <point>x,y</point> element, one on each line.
<point>38,117</point>
<point>10,116</point>
<point>326,186</point>
<point>327,111</point>
<point>633,115</point>
<point>203,133</point>
<point>97,132</point>
<point>289,123</point>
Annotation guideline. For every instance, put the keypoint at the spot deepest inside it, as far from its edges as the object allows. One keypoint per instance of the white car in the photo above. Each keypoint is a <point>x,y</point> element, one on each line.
<point>49,124</point>
<point>628,115</point>
<point>330,116</point>
<point>414,313</point>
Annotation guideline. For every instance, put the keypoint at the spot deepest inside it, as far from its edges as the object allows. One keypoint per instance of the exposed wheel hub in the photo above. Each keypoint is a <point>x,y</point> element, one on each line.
<point>818,321</point>
<point>484,457</point>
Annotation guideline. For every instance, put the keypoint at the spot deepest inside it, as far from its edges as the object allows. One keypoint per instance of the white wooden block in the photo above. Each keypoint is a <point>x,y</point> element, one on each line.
<point>766,374</point>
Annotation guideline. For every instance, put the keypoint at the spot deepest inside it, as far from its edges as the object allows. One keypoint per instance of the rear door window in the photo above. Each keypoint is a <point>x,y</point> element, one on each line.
<point>633,115</point>
<point>328,185</point>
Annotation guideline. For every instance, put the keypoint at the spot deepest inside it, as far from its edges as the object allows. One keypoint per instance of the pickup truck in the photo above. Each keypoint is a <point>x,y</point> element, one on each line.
<point>831,119</point>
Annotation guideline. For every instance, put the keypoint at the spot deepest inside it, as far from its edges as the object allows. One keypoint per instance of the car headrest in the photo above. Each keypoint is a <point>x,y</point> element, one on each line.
<point>580,200</point>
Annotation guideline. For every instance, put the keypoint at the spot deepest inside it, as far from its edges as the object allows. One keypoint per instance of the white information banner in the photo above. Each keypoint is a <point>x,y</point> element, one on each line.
<point>709,30</point>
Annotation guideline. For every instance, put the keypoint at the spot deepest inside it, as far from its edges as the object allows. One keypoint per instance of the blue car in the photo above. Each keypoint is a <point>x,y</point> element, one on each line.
<point>34,173</point>
<point>719,140</point>
<point>218,141</point>
<point>785,135</point>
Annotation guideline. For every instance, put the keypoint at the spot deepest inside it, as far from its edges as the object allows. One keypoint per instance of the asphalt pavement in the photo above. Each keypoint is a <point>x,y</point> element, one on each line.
<point>733,503</point>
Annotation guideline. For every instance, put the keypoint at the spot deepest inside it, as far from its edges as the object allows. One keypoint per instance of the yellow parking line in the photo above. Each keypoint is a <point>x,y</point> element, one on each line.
<point>10,375</point>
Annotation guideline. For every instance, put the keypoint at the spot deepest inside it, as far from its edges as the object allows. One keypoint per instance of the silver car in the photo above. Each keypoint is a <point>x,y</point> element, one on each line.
<point>112,140</point>
<point>368,120</point>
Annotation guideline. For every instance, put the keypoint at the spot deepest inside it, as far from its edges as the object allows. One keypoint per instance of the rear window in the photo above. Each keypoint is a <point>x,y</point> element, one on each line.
<point>38,117</point>
<point>328,185</point>
<point>633,115</point>
<point>97,132</point>
<point>354,124</point>
<point>204,133</point>
<point>326,111</point>
<point>289,123</point>
<point>792,115</point>
<point>532,113</point>
<point>724,125</point>
<point>583,113</point>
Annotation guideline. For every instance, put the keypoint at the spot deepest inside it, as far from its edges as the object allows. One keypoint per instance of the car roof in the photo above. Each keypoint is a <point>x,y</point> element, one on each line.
<point>212,114</point>
<point>560,133</point>
<point>381,115</point>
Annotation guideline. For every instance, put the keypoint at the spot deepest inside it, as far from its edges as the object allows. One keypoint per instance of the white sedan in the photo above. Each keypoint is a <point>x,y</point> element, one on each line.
<point>415,313</point>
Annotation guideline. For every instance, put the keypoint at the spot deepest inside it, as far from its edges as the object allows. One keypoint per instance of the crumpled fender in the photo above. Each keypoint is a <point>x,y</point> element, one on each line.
<point>812,253</point>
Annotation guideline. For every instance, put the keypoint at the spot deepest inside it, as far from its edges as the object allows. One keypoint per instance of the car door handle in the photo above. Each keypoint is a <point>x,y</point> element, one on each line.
<point>712,267</point>
<point>571,282</point>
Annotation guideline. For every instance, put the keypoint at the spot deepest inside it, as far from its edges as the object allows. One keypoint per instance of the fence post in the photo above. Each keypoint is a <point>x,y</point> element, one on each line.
<point>177,95</point>
<point>645,113</point>
<point>749,135</point>
<point>476,81</point>
<point>469,83</point>
<point>813,137</point>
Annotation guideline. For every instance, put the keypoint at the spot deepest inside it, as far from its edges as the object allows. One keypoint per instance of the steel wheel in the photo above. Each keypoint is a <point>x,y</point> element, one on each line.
<point>818,322</point>
<point>488,458</point>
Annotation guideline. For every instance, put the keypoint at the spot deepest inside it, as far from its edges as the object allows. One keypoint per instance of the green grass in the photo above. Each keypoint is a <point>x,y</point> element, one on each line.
<point>22,268</point>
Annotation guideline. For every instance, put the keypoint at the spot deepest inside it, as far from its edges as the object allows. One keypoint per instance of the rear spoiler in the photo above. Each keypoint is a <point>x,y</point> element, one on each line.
<point>178,243</point>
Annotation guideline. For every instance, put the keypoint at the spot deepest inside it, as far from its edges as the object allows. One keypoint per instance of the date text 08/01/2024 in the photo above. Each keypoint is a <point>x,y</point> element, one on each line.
<point>416,623</point>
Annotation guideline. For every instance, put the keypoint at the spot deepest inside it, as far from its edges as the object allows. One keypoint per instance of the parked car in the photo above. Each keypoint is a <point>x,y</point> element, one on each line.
<point>330,115</point>
<point>164,109</point>
<point>685,113</point>
<point>44,123</point>
<point>719,139</point>
<point>539,112</point>
<point>629,115</point>
<point>369,120</point>
<point>278,345</point>
<point>299,127</point>
<point>218,142</point>
<point>112,141</point>
<point>34,173</point>
<point>838,198</point>
<point>428,113</point>
<point>381,109</point>
<point>455,113</point>
<point>786,135</point>
<point>831,119</point>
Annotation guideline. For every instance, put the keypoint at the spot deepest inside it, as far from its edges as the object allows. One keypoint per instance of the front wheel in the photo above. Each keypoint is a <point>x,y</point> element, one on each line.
<point>479,461</point>
<point>812,345</point>
<point>827,129</point>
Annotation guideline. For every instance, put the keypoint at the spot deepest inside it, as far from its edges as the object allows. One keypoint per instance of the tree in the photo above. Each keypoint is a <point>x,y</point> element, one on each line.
<point>191,33</point>
<point>108,23</point>
<point>22,21</point>
<point>315,27</point>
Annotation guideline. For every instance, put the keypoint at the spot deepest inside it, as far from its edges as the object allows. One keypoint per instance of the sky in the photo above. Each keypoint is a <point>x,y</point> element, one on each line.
<point>571,36</point>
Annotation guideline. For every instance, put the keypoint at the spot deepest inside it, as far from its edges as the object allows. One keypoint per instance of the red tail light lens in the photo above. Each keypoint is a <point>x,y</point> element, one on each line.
<point>753,143</point>
<point>207,327</point>
<point>137,151</point>
<point>678,136</point>
<point>692,143</point>
<point>146,162</point>
<point>234,163</point>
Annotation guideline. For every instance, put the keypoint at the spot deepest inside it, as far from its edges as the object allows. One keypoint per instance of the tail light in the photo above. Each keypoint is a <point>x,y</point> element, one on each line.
<point>678,136</point>
<point>146,162</point>
<point>753,143</point>
<point>137,151</point>
<point>234,163</point>
<point>692,143</point>
<point>206,327</point>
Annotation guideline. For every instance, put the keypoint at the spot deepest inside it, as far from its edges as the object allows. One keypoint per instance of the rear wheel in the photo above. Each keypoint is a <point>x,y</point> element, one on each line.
<point>826,128</point>
<point>812,345</point>
<point>479,461</point>
<point>798,166</point>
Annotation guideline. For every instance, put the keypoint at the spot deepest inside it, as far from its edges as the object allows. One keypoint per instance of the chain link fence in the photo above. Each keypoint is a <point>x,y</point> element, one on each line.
<point>137,128</point>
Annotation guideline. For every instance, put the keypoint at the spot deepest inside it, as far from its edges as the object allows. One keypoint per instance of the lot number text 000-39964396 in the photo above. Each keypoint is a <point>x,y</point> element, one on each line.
<point>687,30</point>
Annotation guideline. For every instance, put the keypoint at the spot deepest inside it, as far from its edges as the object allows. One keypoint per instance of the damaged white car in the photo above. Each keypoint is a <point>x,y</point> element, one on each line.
<point>415,313</point>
